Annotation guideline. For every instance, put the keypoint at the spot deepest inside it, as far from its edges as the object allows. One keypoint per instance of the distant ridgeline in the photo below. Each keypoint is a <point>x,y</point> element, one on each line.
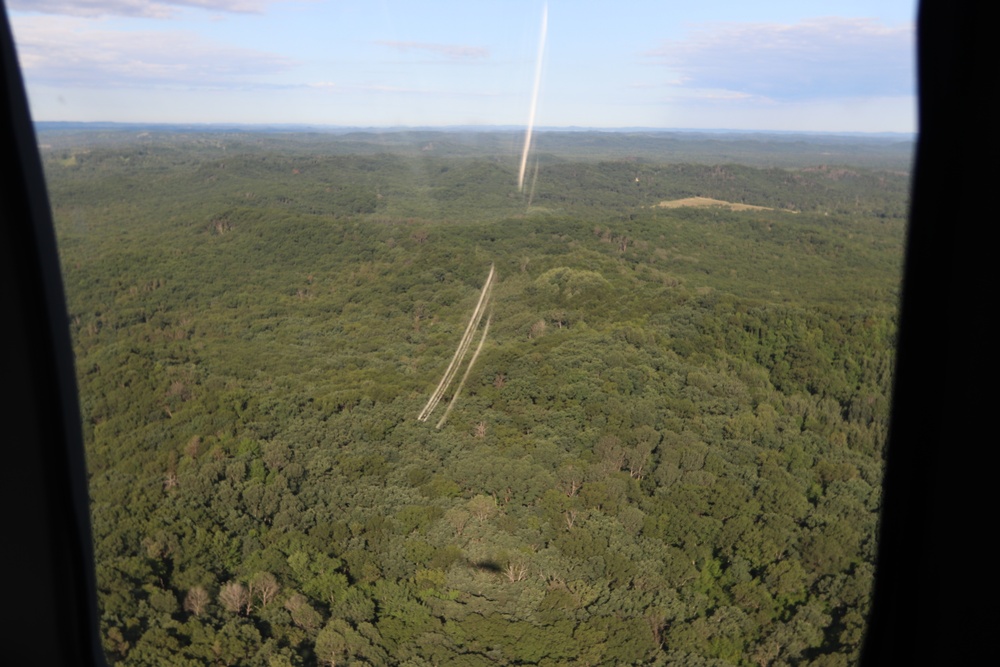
<point>669,452</point>
<point>888,151</point>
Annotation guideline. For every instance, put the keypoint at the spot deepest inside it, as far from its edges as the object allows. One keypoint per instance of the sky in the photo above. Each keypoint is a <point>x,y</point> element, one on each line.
<point>773,65</point>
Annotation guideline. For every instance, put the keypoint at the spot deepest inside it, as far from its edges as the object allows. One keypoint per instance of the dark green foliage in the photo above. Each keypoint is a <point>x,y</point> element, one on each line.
<point>669,451</point>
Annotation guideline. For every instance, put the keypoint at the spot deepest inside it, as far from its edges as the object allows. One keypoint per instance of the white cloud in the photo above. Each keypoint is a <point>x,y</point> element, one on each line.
<point>65,51</point>
<point>451,51</point>
<point>135,8</point>
<point>813,59</point>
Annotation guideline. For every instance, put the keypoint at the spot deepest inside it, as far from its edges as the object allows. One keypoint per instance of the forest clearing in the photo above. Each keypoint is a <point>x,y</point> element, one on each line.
<point>707,201</point>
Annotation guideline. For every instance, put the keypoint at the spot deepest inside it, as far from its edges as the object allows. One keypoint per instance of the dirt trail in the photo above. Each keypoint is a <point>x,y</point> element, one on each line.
<point>706,201</point>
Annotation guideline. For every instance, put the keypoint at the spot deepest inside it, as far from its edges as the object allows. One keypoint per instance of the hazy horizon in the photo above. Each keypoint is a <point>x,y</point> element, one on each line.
<point>331,128</point>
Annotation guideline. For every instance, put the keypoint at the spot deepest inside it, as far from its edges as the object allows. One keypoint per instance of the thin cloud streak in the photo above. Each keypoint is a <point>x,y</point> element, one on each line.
<point>396,90</point>
<point>155,9</point>
<point>450,51</point>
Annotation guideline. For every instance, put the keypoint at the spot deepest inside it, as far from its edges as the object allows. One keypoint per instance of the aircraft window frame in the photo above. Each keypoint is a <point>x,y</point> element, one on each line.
<point>50,269</point>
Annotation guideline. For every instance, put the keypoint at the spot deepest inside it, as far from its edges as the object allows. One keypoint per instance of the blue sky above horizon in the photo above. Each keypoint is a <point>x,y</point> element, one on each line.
<point>807,65</point>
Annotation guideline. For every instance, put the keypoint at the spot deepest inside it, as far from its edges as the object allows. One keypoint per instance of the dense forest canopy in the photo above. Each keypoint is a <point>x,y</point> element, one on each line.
<point>668,452</point>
